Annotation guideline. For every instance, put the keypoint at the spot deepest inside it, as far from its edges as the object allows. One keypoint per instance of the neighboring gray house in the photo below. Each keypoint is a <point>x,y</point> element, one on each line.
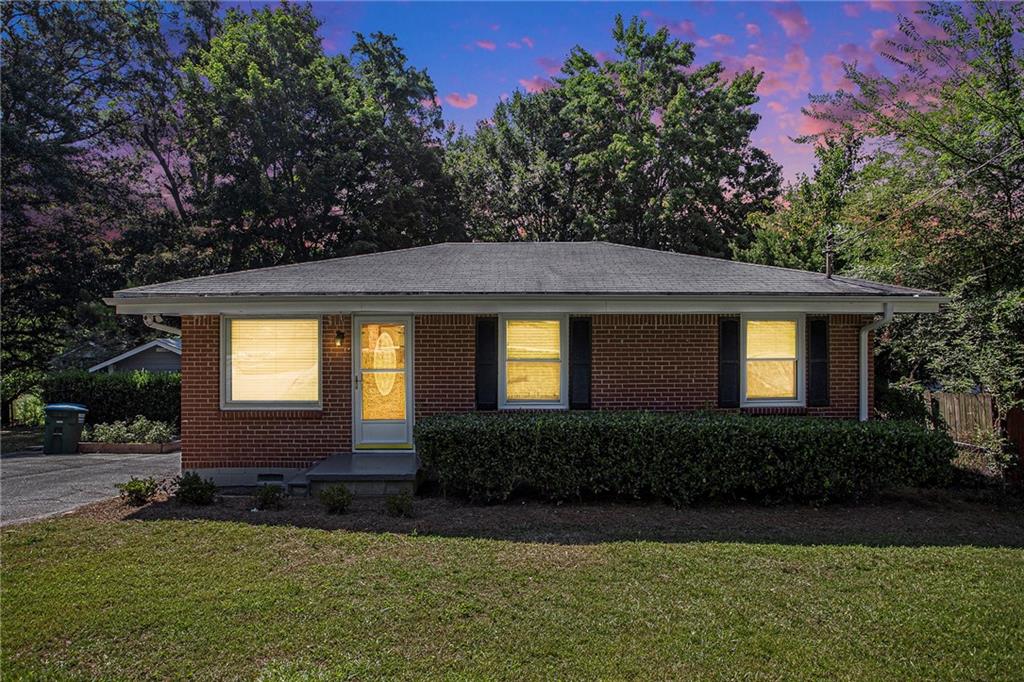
<point>161,355</point>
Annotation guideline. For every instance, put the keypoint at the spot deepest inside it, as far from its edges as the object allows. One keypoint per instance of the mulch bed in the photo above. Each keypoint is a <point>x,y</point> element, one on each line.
<point>913,517</point>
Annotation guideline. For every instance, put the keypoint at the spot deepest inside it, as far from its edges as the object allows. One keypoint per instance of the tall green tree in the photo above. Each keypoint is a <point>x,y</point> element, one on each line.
<point>940,203</point>
<point>64,170</point>
<point>795,236</point>
<point>644,149</point>
<point>294,155</point>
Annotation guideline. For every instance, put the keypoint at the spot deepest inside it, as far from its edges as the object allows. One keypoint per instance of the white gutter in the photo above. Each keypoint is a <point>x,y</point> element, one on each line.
<point>497,303</point>
<point>865,331</point>
<point>157,322</point>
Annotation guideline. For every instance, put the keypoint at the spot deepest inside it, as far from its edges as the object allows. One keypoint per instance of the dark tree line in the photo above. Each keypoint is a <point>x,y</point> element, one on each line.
<point>145,141</point>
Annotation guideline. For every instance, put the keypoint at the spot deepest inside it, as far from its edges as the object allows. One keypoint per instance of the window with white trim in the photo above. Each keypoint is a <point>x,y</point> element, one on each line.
<point>772,353</point>
<point>270,363</point>
<point>534,373</point>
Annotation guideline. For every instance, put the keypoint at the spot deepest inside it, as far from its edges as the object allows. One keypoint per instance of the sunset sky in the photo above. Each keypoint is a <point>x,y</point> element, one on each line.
<point>477,53</point>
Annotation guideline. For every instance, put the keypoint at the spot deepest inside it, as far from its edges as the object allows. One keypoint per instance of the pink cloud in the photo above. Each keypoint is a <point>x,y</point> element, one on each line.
<point>495,27</point>
<point>833,73</point>
<point>601,56</point>
<point>685,29</point>
<point>882,6</point>
<point>852,9</point>
<point>777,107</point>
<point>486,45</point>
<point>550,66</point>
<point>722,39</point>
<point>814,126</point>
<point>536,84</point>
<point>879,39</point>
<point>513,44</point>
<point>431,103</point>
<point>790,75</point>
<point>460,102</point>
<point>792,20</point>
<point>528,41</point>
<point>753,30</point>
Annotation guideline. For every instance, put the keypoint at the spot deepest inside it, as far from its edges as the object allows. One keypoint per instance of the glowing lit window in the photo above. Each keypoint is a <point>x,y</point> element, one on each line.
<point>272,361</point>
<point>772,359</point>
<point>533,362</point>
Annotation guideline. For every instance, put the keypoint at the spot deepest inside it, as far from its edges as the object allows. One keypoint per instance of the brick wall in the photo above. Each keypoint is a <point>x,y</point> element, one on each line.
<point>670,362</point>
<point>843,372</point>
<point>444,365</point>
<point>659,362</point>
<point>656,362</point>
<point>212,438</point>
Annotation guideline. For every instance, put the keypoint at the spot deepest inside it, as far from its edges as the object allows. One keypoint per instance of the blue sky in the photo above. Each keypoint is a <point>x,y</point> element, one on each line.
<point>478,52</point>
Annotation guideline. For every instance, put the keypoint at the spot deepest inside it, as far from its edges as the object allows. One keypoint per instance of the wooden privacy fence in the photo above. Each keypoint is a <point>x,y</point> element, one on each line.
<point>967,415</point>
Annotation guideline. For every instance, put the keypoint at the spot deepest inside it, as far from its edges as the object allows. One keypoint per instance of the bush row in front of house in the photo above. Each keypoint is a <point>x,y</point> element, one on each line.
<point>679,458</point>
<point>117,396</point>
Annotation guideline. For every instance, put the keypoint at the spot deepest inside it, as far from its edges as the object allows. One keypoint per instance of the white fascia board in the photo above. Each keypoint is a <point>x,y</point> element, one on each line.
<point>454,304</point>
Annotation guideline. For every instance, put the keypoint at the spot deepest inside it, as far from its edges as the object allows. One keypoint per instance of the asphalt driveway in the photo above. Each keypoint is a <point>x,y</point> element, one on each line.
<point>33,485</point>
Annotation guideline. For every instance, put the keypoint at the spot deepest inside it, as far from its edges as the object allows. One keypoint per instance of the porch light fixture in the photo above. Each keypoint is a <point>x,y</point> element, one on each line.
<point>339,336</point>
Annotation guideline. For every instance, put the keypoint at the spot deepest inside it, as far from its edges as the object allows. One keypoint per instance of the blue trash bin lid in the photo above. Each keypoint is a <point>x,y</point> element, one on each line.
<point>66,407</point>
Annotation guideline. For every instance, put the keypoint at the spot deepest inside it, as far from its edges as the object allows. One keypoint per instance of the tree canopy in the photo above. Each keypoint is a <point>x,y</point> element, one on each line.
<point>145,141</point>
<point>938,203</point>
<point>644,149</point>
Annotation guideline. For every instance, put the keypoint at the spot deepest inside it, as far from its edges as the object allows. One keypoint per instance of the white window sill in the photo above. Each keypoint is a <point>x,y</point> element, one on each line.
<point>270,407</point>
<point>772,403</point>
<point>512,407</point>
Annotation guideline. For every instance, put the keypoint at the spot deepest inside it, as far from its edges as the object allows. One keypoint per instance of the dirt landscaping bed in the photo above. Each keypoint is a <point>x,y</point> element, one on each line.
<point>912,517</point>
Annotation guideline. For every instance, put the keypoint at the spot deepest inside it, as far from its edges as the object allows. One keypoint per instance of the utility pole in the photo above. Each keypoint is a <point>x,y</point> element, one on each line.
<point>830,250</point>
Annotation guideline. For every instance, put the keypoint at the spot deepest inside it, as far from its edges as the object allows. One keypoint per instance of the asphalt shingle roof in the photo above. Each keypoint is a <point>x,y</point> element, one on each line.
<point>521,268</point>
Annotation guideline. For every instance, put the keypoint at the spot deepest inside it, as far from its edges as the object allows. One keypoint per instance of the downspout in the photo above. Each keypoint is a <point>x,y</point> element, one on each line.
<point>157,322</point>
<point>865,332</point>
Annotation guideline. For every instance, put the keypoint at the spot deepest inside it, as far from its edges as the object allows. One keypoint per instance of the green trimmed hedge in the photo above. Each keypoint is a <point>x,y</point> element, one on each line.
<point>679,458</point>
<point>120,396</point>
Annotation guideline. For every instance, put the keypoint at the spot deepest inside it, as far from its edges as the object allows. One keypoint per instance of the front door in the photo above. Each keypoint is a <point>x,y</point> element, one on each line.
<point>382,382</point>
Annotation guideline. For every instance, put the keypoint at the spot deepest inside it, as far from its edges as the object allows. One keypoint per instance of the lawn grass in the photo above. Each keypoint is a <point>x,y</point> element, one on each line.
<point>133,599</point>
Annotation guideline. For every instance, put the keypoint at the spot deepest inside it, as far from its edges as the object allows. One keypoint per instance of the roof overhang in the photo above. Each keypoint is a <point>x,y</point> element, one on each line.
<point>166,344</point>
<point>476,304</point>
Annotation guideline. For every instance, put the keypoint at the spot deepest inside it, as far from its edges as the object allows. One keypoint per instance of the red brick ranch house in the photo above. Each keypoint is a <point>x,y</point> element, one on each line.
<point>317,371</point>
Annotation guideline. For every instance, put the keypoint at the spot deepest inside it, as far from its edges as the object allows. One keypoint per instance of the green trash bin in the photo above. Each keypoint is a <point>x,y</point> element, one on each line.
<point>64,422</point>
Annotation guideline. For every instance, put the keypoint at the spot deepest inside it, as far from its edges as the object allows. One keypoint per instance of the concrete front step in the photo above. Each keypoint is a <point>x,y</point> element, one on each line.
<point>364,473</point>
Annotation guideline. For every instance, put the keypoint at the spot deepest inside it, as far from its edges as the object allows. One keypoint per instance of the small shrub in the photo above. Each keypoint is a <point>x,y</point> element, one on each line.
<point>28,410</point>
<point>903,401</point>
<point>269,497</point>
<point>138,491</point>
<point>194,489</point>
<point>678,458</point>
<point>139,430</point>
<point>399,505</point>
<point>336,499</point>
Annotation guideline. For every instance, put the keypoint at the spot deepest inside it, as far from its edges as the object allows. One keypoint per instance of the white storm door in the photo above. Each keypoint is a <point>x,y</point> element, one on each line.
<point>382,382</point>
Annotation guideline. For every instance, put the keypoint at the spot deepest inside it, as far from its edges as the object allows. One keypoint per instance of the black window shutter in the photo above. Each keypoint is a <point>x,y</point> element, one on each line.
<point>728,362</point>
<point>486,363</point>
<point>579,363</point>
<point>817,362</point>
